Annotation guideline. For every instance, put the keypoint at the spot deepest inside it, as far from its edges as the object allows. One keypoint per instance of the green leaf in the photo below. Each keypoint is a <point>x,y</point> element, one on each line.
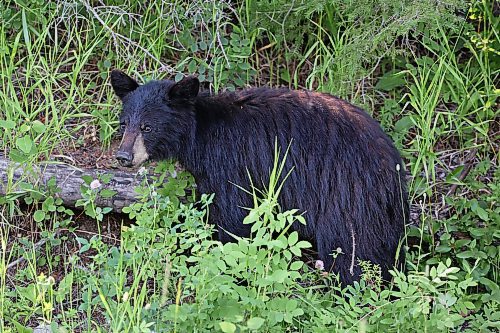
<point>16,156</point>
<point>7,124</point>
<point>106,210</point>
<point>389,82</point>
<point>227,327</point>
<point>178,77</point>
<point>300,219</point>
<point>469,305</point>
<point>87,179</point>
<point>39,215</point>
<point>483,214</point>
<point>296,251</point>
<point>38,126</point>
<point>231,261</point>
<point>192,66</point>
<point>107,193</point>
<point>255,323</point>
<point>466,254</point>
<point>251,217</point>
<point>285,76</point>
<point>303,244</point>
<point>293,238</point>
<point>296,265</point>
<point>24,143</point>
<point>106,178</point>
<point>82,241</point>
<point>244,66</point>
<point>279,276</point>
<point>404,124</point>
<point>24,128</point>
<point>48,204</point>
<point>291,305</point>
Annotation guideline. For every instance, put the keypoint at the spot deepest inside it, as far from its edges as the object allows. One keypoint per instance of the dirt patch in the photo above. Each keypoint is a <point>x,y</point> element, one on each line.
<point>90,155</point>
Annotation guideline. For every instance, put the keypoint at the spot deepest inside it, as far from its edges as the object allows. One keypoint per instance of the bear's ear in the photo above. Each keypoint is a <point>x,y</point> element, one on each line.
<point>122,83</point>
<point>185,89</point>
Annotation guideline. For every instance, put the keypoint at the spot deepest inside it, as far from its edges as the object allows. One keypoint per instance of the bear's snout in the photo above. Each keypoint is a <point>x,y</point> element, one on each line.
<point>124,158</point>
<point>132,151</point>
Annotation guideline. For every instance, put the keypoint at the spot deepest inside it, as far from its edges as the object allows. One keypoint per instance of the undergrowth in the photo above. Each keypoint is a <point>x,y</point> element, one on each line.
<point>427,70</point>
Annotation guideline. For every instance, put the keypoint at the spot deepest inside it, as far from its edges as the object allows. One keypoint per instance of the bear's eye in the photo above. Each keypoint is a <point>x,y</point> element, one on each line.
<point>146,128</point>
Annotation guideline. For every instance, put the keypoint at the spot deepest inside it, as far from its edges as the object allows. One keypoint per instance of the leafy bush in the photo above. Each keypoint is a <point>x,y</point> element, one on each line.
<point>346,41</point>
<point>427,70</point>
<point>168,274</point>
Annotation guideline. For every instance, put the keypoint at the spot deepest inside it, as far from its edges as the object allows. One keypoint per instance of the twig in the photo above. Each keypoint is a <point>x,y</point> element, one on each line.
<point>353,255</point>
<point>465,171</point>
<point>117,37</point>
<point>36,246</point>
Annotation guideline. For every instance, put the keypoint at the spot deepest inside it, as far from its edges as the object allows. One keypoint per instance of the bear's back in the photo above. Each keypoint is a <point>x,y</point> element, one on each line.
<point>299,115</point>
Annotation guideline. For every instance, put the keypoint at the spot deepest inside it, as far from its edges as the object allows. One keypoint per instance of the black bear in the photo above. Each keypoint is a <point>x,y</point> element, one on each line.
<point>347,178</point>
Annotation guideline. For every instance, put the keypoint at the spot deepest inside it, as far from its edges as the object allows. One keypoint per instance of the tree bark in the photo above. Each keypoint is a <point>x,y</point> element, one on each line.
<point>68,179</point>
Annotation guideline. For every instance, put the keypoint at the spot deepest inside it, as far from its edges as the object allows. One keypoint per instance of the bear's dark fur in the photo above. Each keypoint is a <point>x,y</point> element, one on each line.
<point>347,177</point>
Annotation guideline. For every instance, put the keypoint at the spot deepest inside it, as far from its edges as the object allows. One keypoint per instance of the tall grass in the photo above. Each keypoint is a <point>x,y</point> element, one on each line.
<point>424,71</point>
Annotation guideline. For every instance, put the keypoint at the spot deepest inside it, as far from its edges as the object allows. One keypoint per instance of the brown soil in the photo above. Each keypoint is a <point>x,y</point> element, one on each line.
<point>92,155</point>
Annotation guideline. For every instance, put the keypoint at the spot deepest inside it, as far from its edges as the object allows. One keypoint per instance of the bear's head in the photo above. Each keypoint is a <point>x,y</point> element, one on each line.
<point>156,117</point>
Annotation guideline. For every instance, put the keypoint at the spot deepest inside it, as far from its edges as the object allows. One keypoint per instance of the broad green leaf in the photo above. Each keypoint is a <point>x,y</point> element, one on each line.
<point>296,265</point>
<point>48,204</point>
<point>466,254</point>
<point>389,82</point>
<point>87,179</point>
<point>39,215</point>
<point>279,276</point>
<point>303,244</point>
<point>293,238</point>
<point>227,327</point>
<point>107,193</point>
<point>483,214</point>
<point>255,323</point>
<point>404,124</point>
<point>7,124</point>
<point>24,144</point>
<point>17,156</point>
<point>38,126</point>
<point>106,210</point>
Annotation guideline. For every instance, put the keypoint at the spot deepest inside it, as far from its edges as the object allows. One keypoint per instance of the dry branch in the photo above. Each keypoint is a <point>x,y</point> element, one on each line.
<point>68,179</point>
<point>465,171</point>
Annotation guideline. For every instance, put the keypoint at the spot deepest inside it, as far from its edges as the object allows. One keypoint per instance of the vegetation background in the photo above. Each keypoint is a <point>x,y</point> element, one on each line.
<point>427,70</point>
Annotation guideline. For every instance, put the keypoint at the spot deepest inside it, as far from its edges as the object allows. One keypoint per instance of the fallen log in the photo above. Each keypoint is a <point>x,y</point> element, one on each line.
<point>69,180</point>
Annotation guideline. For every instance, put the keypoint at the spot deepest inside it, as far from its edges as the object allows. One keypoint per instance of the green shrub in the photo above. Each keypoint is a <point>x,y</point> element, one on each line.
<point>426,69</point>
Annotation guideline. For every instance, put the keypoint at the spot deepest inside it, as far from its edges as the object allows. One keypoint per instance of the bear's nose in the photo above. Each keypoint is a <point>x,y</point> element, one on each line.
<point>125,158</point>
